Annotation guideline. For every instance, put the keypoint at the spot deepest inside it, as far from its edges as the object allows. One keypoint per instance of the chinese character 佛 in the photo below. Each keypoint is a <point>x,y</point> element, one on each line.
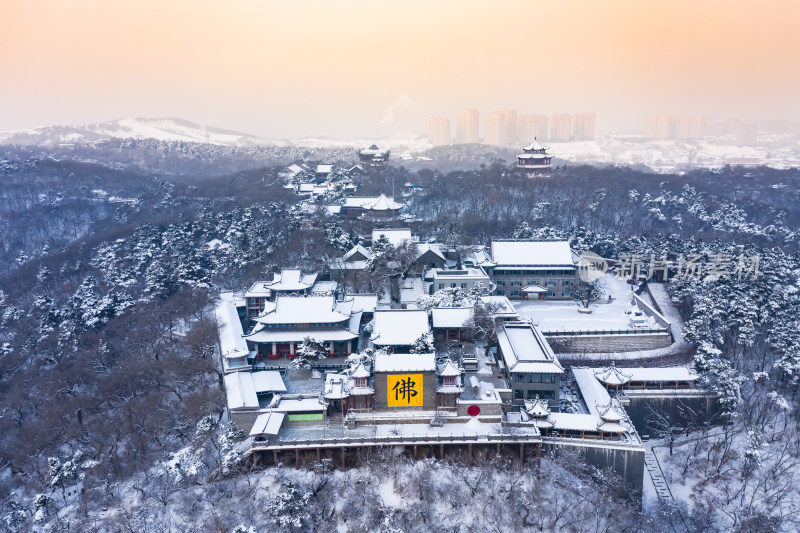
<point>404,390</point>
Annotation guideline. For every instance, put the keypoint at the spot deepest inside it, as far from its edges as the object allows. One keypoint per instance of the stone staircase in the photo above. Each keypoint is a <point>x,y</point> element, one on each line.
<point>654,469</point>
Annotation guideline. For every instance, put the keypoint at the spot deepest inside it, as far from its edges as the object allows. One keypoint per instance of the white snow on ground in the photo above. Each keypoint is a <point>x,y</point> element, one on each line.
<point>388,495</point>
<point>778,151</point>
<point>554,315</point>
<point>679,346</point>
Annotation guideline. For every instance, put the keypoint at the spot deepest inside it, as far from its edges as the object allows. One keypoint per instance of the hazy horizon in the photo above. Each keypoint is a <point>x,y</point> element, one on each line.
<point>288,70</point>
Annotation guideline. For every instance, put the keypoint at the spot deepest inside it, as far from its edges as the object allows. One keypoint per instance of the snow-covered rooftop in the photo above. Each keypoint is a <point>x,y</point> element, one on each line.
<point>357,249</point>
<point>259,289</point>
<point>502,305</point>
<point>360,371</point>
<point>268,381</point>
<point>231,342</point>
<point>608,412</point>
<point>241,391</point>
<point>449,369</point>
<point>532,253</point>
<point>263,334</point>
<point>395,236</point>
<point>372,203</point>
<point>398,327</point>
<point>525,349</point>
<point>267,424</point>
<point>425,247</point>
<point>324,169</point>
<point>462,274</point>
<point>292,279</point>
<point>535,145</point>
<point>451,317</point>
<point>372,150</point>
<point>670,373</point>
<point>315,309</point>
<point>294,405</point>
<point>363,302</point>
<point>411,290</point>
<point>405,362</point>
<point>324,287</point>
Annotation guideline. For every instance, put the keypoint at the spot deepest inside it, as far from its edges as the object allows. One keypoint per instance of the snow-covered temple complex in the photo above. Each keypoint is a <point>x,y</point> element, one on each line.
<point>433,363</point>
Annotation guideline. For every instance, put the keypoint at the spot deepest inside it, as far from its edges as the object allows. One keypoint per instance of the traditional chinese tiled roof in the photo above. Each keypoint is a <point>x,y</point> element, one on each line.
<point>612,375</point>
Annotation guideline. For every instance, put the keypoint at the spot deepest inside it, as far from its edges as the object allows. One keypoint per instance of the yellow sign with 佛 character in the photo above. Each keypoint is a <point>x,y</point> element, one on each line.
<point>404,390</point>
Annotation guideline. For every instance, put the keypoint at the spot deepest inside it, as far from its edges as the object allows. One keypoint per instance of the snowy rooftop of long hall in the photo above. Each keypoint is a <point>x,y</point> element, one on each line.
<point>405,362</point>
<point>525,349</point>
<point>655,374</point>
<point>313,309</point>
<point>609,414</point>
<point>396,327</point>
<point>231,342</point>
<point>455,275</point>
<point>531,253</point>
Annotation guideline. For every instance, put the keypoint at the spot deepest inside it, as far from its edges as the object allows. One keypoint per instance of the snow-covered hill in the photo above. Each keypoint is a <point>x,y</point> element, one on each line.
<point>777,151</point>
<point>164,129</point>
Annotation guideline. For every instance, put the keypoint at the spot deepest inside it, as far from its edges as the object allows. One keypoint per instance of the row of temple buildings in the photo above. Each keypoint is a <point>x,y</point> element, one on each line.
<point>312,370</point>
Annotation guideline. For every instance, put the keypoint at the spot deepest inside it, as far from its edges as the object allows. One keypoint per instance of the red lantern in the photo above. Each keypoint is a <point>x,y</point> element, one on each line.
<point>473,410</point>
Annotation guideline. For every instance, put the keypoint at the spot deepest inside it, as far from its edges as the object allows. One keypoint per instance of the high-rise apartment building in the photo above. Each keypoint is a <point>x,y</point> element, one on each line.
<point>748,131</point>
<point>467,125</point>
<point>583,127</point>
<point>495,130</point>
<point>510,118</point>
<point>439,131</point>
<point>531,127</point>
<point>660,126</point>
<point>690,127</point>
<point>561,127</point>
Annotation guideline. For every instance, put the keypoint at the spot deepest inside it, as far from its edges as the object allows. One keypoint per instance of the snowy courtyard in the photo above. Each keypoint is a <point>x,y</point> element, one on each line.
<point>553,315</point>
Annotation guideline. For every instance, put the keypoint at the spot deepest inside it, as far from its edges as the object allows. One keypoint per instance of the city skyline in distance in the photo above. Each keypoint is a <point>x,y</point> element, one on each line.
<point>280,70</point>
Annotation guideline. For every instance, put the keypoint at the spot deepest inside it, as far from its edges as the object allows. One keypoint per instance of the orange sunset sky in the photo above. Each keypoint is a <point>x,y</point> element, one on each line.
<point>301,68</point>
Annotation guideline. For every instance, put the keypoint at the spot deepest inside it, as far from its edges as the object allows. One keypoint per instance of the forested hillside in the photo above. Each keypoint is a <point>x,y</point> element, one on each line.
<point>107,374</point>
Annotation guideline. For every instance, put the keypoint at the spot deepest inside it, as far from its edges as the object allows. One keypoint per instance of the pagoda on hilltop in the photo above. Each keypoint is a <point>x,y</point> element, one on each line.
<point>535,161</point>
<point>373,157</point>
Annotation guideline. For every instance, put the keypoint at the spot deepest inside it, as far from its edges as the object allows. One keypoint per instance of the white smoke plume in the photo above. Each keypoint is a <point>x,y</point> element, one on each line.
<point>402,102</point>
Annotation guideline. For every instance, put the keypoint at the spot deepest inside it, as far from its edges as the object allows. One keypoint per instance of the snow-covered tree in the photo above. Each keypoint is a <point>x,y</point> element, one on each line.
<point>424,344</point>
<point>289,507</point>
<point>311,351</point>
